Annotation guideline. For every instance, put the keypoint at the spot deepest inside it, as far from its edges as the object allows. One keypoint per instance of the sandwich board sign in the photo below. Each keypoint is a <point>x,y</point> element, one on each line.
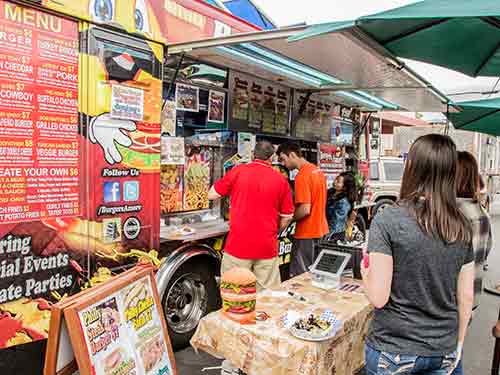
<point>116,328</point>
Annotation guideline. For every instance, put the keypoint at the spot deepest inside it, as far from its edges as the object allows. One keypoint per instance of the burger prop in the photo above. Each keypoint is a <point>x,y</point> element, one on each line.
<point>238,292</point>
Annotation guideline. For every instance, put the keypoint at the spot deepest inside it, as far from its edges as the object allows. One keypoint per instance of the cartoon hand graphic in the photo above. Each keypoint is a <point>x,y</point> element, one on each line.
<point>107,131</point>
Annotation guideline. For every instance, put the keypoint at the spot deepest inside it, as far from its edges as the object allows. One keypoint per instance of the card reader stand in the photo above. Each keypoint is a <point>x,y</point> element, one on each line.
<point>327,269</point>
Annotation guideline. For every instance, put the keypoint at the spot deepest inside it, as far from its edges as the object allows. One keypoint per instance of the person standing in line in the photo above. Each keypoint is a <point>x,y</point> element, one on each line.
<point>420,271</point>
<point>340,203</point>
<point>310,207</point>
<point>469,203</point>
<point>261,205</point>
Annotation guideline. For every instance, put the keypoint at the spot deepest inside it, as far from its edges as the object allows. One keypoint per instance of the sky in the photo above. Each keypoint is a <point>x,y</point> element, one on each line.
<point>290,12</point>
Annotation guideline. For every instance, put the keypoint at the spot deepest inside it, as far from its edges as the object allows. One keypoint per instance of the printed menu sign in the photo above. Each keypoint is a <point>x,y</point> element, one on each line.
<point>39,142</point>
<point>332,161</point>
<point>123,333</point>
<point>116,328</point>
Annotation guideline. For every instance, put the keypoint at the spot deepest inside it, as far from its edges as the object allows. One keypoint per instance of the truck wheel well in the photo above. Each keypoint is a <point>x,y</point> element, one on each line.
<point>392,198</point>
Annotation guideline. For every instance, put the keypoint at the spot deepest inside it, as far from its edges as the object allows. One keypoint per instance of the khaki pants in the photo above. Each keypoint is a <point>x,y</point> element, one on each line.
<point>266,271</point>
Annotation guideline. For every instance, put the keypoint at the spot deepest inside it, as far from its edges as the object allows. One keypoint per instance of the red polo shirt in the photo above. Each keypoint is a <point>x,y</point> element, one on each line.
<point>259,196</point>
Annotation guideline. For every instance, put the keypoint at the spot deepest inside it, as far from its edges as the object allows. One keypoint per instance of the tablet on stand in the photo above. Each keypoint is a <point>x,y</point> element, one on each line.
<point>327,269</point>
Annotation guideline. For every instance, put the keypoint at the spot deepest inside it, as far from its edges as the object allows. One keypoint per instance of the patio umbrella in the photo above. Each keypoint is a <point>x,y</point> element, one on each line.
<point>463,35</point>
<point>479,116</point>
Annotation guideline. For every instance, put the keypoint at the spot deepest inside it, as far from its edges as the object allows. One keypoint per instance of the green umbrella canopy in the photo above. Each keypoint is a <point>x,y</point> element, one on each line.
<point>480,116</point>
<point>463,35</point>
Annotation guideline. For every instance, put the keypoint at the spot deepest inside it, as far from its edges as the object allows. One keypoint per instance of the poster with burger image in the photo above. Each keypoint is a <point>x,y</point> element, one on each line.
<point>239,293</point>
<point>216,101</point>
<point>187,98</point>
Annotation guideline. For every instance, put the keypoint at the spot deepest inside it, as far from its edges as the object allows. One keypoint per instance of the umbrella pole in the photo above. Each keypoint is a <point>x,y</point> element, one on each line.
<point>447,127</point>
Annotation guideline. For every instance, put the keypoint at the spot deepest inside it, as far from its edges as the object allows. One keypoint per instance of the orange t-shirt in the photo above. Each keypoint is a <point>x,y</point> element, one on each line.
<point>310,187</point>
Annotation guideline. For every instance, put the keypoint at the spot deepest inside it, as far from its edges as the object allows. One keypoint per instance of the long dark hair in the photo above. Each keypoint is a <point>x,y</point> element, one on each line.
<point>468,180</point>
<point>429,189</point>
<point>350,189</point>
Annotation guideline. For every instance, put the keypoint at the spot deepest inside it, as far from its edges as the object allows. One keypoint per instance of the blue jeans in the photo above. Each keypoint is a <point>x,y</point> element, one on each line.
<point>459,370</point>
<point>382,363</point>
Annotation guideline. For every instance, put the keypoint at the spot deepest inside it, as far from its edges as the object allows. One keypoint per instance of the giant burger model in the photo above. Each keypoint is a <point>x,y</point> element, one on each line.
<point>238,292</point>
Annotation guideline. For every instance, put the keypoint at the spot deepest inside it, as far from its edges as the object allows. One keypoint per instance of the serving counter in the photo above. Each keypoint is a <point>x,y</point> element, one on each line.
<point>267,348</point>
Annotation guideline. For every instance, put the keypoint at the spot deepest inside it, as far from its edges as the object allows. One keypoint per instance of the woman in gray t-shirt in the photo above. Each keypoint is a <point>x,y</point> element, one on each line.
<point>420,276</point>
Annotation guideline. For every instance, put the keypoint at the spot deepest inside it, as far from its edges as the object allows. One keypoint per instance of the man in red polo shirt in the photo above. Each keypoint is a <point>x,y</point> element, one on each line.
<point>261,205</point>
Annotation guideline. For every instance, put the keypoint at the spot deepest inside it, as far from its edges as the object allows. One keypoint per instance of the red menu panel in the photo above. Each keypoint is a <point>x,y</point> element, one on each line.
<point>39,142</point>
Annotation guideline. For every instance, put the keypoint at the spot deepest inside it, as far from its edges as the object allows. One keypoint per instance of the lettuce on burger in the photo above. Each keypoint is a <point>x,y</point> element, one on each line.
<point>238,292</point>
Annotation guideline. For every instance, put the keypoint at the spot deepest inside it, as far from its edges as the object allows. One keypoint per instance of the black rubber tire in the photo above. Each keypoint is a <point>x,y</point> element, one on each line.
<point>205,271</point>
<point>381,203</point>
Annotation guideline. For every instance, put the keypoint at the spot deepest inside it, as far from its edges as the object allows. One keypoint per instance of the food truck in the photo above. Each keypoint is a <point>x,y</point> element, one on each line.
<point>110,137</point>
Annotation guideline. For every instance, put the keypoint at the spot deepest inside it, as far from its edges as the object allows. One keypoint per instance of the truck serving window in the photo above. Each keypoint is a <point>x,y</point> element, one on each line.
<point>393,171</point>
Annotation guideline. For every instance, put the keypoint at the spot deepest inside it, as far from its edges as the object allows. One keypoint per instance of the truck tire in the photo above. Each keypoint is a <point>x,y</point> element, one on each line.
<point>381,204</point>
<point>191,293</point>
<point>361,225</point>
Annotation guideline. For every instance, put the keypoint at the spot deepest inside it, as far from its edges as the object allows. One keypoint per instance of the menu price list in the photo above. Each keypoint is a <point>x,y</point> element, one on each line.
<point>39,139</point>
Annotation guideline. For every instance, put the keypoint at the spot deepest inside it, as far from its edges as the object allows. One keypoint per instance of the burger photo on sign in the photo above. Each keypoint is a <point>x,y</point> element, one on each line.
<point>238,292</point>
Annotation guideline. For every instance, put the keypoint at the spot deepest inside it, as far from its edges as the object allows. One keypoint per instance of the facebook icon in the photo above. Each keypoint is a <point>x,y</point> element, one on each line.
<point>111,191</point>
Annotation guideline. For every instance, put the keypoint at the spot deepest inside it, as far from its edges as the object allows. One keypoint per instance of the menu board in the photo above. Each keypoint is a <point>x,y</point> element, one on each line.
<point>39,141</point>
<point>281,125</point>
<point>240,99</point>
<point>269,114</point>
<point>258,105</point>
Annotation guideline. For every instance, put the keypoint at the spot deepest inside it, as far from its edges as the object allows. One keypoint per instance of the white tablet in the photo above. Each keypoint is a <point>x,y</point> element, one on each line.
<point>330,263</point>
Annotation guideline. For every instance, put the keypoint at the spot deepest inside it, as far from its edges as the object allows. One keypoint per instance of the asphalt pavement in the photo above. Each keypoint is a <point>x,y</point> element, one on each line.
<point>479,345</point>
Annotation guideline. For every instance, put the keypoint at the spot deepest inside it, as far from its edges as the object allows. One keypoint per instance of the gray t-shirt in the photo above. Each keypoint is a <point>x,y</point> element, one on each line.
<point>421,317</point>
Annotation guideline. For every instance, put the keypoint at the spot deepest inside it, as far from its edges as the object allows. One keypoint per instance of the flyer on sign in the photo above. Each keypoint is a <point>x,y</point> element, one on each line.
<point>187,98</point>
<point>216,101</point>
<point>127,103</point>
<point>169,118</point>
<point>172,151</point>
<point>246,145</point>
<point>124,334</point>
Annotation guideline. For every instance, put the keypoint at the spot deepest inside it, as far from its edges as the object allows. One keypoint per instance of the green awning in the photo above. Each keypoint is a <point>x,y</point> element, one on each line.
<point>463,35</point>
<point>321,29</point>
<point>481,116</point>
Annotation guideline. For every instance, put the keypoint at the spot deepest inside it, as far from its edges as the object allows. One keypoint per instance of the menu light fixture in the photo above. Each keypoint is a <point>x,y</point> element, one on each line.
<point>271,66</point>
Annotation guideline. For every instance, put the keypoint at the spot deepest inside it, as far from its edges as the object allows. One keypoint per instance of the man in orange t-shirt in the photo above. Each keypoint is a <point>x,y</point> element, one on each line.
<point>310,207</point>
